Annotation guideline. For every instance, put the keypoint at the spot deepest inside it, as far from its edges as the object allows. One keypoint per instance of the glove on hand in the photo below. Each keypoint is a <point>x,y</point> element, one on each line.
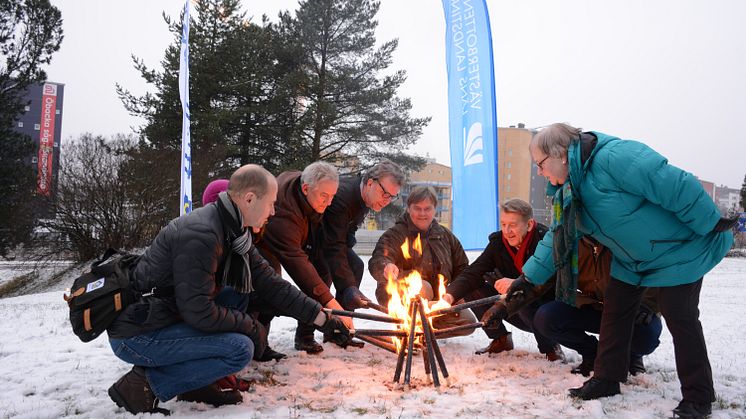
<point>520,289</point>
<point>259,337</point>
<point>492,276</point>
<point>495,315</point>
<point>336,332</point>
<point>352,298</point>
<point>726,224</point>
<point>644,316</point>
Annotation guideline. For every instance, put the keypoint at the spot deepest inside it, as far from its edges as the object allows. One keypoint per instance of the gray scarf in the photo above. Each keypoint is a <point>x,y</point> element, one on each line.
<point>240,244</point>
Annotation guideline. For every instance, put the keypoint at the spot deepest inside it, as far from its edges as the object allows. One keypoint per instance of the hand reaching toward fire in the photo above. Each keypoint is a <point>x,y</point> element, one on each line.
<point>502,285</point>
<point>352,299</point>
<point>335,330</point>
<point>391,271</point>
<point>334,305</point>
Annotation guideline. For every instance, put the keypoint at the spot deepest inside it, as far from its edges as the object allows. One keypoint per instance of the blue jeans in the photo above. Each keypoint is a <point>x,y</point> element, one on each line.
<point>568,325</point>
<point>180,358</point>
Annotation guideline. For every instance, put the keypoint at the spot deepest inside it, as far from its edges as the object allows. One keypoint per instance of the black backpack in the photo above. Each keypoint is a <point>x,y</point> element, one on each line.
<point>98,296</point>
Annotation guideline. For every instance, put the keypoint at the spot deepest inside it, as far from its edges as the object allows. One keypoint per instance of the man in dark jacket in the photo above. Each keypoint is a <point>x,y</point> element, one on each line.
<point>568,324</point>
<point>375,189</point>
<point>504,256</point>
<point>291,238</point>
<point>191,327</point>
<point>439,254</point>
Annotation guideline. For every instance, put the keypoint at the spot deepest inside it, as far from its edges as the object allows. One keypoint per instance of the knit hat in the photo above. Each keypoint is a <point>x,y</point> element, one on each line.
<point>212,190</point>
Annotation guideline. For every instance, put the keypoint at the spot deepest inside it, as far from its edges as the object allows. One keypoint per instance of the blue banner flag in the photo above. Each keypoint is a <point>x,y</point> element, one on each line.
<point>472,121</point>
<point>186,148</point>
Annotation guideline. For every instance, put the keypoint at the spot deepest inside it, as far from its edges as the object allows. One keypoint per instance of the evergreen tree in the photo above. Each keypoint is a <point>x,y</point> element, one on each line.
<point>30,32</point>
<point>350,108</point>
<point>743,194</point>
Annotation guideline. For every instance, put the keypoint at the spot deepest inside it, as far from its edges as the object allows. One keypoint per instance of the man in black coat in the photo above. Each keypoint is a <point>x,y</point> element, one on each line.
<point>375,189</point>
<point>504,256</point>
<point>191,327</point>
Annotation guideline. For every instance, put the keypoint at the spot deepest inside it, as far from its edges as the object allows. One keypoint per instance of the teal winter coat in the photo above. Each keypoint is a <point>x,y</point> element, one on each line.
<point>655,218</point>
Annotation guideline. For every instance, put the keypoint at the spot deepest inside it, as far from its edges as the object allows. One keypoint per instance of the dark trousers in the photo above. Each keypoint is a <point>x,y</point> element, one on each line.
<point>679,306</point>
<point>569,326</point>
<point>523,319</point>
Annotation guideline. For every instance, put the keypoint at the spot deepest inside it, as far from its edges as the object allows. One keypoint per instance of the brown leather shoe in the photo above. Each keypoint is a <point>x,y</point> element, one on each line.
<point>502,344</point>
<point>555,354</point>
<point>213,395</point>
<point>132,392</point>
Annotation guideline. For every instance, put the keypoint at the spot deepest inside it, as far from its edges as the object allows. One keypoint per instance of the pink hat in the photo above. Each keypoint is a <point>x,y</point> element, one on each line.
<point>213,189</point>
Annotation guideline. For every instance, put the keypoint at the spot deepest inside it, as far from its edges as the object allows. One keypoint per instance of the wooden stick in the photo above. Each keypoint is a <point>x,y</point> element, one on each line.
<point>429,340</point>
<point>385,319</point>
<point>377,307</point>
<point>440,333</point>
<point>464,306</point>
<point>377,342</point>
<point>410,347</point>
<point>378,332</point>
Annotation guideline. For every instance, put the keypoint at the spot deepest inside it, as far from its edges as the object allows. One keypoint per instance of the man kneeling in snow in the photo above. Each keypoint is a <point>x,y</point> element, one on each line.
<point>192,329</point>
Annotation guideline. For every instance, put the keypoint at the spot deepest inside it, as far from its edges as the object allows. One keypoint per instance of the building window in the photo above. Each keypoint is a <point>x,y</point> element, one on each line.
<point>509,165</point>
<point>508,177</point>
<point>20,124</point>
<point>507,188</point>
<point>510,152</point>
<point>37,127</point>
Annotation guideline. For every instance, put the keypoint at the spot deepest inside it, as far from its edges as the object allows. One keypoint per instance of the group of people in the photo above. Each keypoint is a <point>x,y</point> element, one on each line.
<point>630,240</point>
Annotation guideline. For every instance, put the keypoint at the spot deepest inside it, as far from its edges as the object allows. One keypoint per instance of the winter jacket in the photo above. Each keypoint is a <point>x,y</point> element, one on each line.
<point>187,256</point>
<point>442,253</point>
<point>494,258</point>
<point>291,239</point>
<point>656,219</point>
<point>339,224</point>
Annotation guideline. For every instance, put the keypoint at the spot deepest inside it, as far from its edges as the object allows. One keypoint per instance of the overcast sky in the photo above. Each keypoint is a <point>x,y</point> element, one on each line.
<point>669,73</point>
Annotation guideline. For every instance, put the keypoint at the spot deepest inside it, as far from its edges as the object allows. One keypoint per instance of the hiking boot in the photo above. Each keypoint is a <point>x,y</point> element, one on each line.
<point>555,354</point>
<point>687,409</point>
<point>270,355</point>
<point>132,392</point>
<point>584,368</point>
<point>213,395</point>
<point>636,366</point>
<point>307,343</point>
<point>502,344</point>
<point>596,388</point>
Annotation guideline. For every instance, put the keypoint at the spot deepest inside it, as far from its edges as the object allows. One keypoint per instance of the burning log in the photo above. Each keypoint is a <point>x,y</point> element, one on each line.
<point>464,306</point>
<point>379,332</point>
<point>411,337</point>
<point>428,355</point>
<point>385,319</point>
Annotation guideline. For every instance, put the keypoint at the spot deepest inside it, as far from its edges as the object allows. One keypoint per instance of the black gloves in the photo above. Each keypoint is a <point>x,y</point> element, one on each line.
<point>492,276</point>
<point>644,316</point>
<point>520,288</point>
<point>335,331</point>
<point>494,316</point>
<point>726,224</point>
<point>352,298</point>
<point>259,337</point>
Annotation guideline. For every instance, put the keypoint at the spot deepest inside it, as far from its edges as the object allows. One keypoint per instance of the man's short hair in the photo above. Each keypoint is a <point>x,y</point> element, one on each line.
<point>318,171</point>
<point>518,206</point>
<point>421,193</point>
<point>385,168</point>
<point>250,178</point>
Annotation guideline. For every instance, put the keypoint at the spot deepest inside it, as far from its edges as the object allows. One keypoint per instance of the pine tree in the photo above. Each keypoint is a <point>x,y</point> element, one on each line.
<point>743,194</point>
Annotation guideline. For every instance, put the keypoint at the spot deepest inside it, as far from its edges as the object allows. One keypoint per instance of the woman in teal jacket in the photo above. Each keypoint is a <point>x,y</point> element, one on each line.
<point>663,230</point>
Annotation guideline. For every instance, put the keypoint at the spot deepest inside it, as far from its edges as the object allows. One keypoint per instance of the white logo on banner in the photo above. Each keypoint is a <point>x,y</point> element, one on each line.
<point>473,153</point>
<point>50,89</point>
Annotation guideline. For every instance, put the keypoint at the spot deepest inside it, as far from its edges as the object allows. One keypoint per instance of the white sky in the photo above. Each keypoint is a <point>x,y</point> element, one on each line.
<point>668,73</point>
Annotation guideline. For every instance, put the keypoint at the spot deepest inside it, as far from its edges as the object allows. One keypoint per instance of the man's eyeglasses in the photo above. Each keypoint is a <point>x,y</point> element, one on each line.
<point>386,194</point>
<point>541,163</point>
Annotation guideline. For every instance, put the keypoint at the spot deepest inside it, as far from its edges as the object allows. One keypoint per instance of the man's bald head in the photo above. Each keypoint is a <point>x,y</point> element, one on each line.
<point>250,178</point>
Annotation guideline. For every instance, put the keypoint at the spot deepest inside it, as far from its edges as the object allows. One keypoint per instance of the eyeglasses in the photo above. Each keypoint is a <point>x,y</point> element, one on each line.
<point>541,163</point>
<point>386,194</point>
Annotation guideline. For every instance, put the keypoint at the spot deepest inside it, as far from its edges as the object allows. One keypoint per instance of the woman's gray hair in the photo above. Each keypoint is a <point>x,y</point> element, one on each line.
<point>385,168</point>
<point>555,139</point>
<point>318,171</point>
<point>421,193</point>
<point>518,206</point>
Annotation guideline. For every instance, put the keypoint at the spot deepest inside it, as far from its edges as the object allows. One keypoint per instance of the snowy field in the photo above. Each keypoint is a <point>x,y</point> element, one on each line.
<point>48,373</point>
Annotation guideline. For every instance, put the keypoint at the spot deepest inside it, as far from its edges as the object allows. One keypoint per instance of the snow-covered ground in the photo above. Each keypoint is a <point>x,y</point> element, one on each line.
<point>48,373</point>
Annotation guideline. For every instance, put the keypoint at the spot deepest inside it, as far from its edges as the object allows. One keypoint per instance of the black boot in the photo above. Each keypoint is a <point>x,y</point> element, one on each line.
<point>304,340</point>
<point>213,395</point>
<point>636,366</point>
<point>585,367</point>
<point>596,388</point>
<point>555,354</point>
<point>132,392</point>
<point>270,354</point>
<point>687,409</point>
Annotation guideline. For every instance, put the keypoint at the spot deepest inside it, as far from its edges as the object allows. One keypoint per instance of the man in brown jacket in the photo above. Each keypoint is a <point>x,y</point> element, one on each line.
<point>291,238</point>
<point>441,254</point>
